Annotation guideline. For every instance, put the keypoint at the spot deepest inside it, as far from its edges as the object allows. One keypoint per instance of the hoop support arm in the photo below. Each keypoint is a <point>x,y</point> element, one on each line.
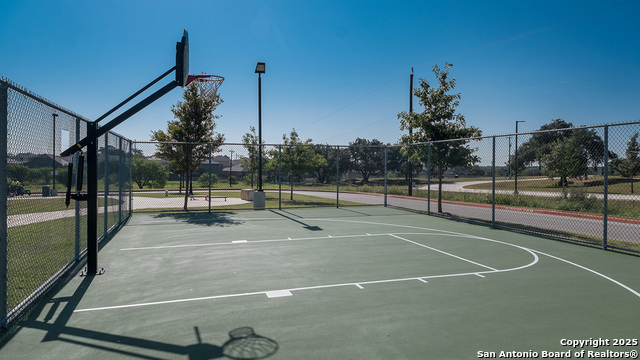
<point>136,94</point>
<point>122,117</point>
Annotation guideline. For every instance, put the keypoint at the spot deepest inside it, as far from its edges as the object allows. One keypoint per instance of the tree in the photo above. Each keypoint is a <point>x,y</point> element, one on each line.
<point>297,158</point>
<point>540,144</point>
<point>195,126</point>
<point>146,172</point>
<point>250,142</point>
<point>565,159</point>
<point>439,121</point>
<point>367,157</point>
<point>630,166</point>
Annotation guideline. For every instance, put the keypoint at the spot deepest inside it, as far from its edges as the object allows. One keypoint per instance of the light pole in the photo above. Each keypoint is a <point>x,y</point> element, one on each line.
<point>516,167</point>
<point>260,68</point>
<point>54,153</point>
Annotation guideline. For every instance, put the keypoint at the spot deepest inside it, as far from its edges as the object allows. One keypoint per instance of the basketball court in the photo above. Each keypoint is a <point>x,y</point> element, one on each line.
<point>355,283</point>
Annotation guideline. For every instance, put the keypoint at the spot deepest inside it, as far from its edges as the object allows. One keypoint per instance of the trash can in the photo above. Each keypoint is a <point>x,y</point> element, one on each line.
<point>45,190</point>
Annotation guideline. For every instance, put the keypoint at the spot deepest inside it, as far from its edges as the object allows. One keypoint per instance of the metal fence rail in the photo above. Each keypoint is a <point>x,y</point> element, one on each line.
<point>572,184</point>
<point>41,239</point>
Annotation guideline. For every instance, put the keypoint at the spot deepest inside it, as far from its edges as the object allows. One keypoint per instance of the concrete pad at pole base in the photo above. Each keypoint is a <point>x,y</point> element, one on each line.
<point>258,200</point>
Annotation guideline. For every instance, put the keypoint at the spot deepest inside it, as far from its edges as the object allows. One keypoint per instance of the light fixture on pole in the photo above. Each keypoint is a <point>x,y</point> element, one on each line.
<point>516,166</point>
<point>260,69</point>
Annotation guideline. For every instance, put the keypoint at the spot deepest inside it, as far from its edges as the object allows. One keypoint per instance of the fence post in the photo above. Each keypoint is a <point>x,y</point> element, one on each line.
<point>337,177</point>
<point>106,186</point>
<point>131,145</point>
<point>76,202</point>
<point>210,176</point>
<point>429,179</point>
<point>385,176</point>
<point>279,177</point>
<point>120,178</point>
<point>4,114</point>
<point>606,188</point>
<point>493,184</point>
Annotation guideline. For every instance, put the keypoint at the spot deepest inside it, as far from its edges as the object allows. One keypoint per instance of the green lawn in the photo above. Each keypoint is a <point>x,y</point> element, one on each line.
<point>34,204</point>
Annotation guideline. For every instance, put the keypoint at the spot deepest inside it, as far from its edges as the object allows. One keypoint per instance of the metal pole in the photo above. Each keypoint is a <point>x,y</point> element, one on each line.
<point>493,184</point>
<point>605,217</point>
<point>429,179</point>
<point>106,186</point>
<point>230,166</point>
<point>53,158</point>
<point>120,178</point>
<point>410,165</point>
<point>92,199</point>
<point>4,114</point>
<point>337,176</point>
<point>209,177</point>
<point>131,144</point>
<point>259,132</point>
<point>279,177</point>
<point>516,167</point>
<point>76,202</point>
<point>385,176</point>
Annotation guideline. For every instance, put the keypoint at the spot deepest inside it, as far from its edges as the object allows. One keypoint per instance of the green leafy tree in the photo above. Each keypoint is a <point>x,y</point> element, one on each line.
<point>297,158</point>
<point>194,124</point>
<point>325,172</point>
<point>566,159</point>
<point>439,121</point>
<point>540,144</point>
<point>629,167</point>
<point>149,173</point>
<point>367,157</point>
<point>250,142</point>
<point>18,172</point>
<point>205,180</point>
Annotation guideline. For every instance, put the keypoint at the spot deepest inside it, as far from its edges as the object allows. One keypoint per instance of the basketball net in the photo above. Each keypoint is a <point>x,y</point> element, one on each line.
<point>207,84</point>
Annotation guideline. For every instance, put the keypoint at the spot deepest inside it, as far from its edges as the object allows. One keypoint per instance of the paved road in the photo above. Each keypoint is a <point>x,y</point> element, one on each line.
<point>518,217</point>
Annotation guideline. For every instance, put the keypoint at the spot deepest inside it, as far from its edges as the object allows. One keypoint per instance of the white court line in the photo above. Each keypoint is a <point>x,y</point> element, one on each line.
<point>267,241</point>
<point>357,284</point>
<point>480,275</point>
<point>443,252</point>
<point>592,271</point>
<point>423,280</point>
<point>439,232</point>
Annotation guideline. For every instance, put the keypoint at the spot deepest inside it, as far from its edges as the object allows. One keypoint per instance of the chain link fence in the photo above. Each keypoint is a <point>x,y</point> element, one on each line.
<point>572,184</point>
<point>576,184</point>
<point>40,238</point>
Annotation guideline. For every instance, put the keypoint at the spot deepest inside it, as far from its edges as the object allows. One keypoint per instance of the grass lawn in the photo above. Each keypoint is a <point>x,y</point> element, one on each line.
<point>34,204</point>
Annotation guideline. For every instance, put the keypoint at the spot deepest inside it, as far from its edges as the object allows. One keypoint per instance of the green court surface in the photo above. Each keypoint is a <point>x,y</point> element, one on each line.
<point>348,283</point>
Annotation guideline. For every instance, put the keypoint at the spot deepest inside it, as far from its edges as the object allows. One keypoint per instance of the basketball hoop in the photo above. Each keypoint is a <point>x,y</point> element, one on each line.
<point>208,84</point>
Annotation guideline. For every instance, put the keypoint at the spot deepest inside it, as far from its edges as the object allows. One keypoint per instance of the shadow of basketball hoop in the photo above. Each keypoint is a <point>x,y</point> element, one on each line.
<point>246,344</point>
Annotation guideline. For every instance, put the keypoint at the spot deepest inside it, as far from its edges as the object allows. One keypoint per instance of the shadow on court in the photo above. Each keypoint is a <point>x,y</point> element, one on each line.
<point>243,342</point>
<point>290,217</point>
<point>219,219</point>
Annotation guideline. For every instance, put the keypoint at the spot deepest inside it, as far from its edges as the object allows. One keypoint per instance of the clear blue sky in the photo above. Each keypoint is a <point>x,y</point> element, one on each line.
<point>336,70</point>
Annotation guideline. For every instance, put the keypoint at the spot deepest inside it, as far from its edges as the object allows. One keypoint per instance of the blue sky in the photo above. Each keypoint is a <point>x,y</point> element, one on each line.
<point>336,70</point>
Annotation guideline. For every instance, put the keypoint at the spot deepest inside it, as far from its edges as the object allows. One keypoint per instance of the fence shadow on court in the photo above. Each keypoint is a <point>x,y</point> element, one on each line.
<point>243,343</point>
